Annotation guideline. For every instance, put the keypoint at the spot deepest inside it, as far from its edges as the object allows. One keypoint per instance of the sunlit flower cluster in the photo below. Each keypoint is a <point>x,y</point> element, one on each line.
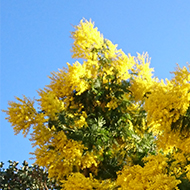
<point>152,176</point>
<point>21,115</point>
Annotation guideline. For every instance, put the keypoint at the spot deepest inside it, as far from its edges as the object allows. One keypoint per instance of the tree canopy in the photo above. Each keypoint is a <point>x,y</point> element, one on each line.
<point>25,177</point>
<point>105,121</point>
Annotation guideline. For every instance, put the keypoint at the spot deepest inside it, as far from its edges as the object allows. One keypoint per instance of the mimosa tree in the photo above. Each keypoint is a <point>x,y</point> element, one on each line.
<point>105,122</point>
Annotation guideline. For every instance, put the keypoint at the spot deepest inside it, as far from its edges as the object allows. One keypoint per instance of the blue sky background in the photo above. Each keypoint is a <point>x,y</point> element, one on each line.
<point>35,40</point>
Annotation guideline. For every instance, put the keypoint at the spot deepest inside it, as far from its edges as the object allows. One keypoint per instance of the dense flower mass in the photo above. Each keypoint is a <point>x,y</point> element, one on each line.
<point>108,123</point>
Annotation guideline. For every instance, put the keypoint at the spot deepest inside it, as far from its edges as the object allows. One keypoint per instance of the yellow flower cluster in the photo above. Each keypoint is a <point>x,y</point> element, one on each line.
<point>78,181</point>
<point>41,133</point>
<point>86,37</point>
<point>21,115</point>
<point>178,166</point>
<point>89,160</point>
<point>166,103</point>
<point>64,82</point>
<point>50,104</point>
<point>188,171</point>
<point>151,176</point>
<point>62,156</point>
<point>82,120</point>
<point>142,82</point>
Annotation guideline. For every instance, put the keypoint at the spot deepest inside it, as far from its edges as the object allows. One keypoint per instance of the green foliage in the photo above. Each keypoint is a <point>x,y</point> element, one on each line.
<point>26,177</point>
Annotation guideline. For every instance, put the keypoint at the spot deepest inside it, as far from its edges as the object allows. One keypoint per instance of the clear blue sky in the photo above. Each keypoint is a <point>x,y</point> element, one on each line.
<point>35,40</point>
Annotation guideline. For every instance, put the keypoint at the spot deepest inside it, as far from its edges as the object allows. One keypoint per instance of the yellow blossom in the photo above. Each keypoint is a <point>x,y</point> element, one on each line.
<point>50,103</point>
<point>21,115</point>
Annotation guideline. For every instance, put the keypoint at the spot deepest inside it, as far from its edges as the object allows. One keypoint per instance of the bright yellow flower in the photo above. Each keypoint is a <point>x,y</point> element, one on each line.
<point>86,37</point>
<point>151,176</point>
<point>50,103</point>
<point>21,115</point>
